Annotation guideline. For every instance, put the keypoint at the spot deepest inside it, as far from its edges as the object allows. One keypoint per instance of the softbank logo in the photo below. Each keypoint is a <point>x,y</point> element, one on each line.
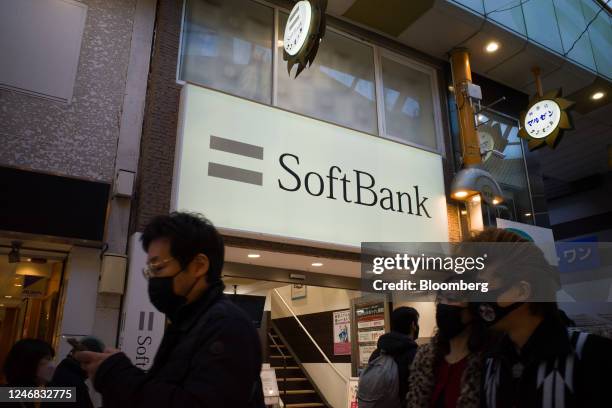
<point>357,186</point>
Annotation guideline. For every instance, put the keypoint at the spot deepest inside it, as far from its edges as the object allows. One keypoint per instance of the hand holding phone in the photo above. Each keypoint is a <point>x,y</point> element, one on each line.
<point>76,345</point>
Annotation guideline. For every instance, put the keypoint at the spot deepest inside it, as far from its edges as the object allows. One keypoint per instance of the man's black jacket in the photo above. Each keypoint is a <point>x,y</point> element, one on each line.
<point>555,368</point>
<point>70,374</point>
<point>210,357</point>
<point>403,349</point>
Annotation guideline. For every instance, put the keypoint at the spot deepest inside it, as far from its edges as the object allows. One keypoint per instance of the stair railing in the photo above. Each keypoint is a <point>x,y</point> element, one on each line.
<point>284,376</point>
<point>332,365</point>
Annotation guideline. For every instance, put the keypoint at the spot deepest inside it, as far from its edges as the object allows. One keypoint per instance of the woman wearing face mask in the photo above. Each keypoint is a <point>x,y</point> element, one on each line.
<point>447,372</point>
<point>29,363</point>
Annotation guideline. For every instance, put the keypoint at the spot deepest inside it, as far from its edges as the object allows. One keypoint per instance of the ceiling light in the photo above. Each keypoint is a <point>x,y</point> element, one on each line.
<point>463,212</point>
<point>1,305</point>
<point>476,198</point>
<point>597,95</point>
<point>492,46</point>
<point>29,260</point>
<point>495,201</point>
<point>8,296</point>
<point>481,118</point>
<point>451,88</point>
<point>461,194</point>
<point>253,255</point>
<point>317,264</point>
<point>527,214</point>
<point>18,284</point>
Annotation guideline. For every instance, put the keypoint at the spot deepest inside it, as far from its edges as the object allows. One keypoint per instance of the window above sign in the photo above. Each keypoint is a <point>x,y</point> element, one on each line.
<point>236,46</point>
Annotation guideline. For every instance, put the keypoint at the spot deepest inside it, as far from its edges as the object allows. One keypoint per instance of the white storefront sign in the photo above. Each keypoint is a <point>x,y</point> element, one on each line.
<point>142,326</point>
<point>253,169</point>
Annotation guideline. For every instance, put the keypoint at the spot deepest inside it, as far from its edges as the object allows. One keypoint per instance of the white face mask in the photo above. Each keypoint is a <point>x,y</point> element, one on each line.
<point>45,371</point>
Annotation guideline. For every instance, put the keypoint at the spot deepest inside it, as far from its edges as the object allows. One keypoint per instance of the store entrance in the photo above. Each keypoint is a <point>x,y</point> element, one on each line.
<point>30,290</point>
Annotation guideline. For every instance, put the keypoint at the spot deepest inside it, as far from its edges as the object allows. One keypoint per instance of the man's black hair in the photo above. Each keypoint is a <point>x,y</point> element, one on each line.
<point>22,361</point>
<point>402,319</point>
<point>189,234</point>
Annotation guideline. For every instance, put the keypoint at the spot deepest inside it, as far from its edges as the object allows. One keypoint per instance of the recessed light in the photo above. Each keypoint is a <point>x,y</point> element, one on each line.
<point>492,46</point>
<point>253,255</point>
<point>317,264</point>
<point>29,259</point>
<point>527,214</point>
<point>8,297</point>
<point>18,284</point>
<point>461,194</point>
<point>597,95</point>
<point>463,212</point>
<point>476,198</point>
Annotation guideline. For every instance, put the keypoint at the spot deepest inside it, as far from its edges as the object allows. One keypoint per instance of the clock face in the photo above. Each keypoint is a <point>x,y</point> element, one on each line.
<point>298,24</point>
<point>542,119</point>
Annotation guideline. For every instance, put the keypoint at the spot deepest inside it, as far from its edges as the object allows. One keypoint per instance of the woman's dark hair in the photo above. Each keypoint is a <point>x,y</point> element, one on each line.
<point>520,260</point>
<point>189,234</point>
<point>22,361</point>
<point>479,340</point>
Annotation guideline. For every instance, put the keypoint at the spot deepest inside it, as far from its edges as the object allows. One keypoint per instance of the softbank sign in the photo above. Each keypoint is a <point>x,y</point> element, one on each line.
<point>259,170</point>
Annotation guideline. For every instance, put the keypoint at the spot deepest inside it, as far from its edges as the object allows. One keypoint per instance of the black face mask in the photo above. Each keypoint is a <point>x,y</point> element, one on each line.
<point>490,312</point>
<point>162,295</point>
<point>448,319</point>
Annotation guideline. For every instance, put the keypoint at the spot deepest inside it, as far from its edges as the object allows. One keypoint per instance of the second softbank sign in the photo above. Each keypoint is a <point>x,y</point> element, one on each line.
<point>255,169</point>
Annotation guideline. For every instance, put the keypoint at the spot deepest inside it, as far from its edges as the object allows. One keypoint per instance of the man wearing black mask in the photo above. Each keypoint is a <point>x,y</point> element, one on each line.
<point>538,363</point>
<point>210,355</point>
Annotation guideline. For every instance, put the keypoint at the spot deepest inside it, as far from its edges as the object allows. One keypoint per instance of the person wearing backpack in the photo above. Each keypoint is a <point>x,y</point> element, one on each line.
<point>384,382</point>
<point>539,362</point>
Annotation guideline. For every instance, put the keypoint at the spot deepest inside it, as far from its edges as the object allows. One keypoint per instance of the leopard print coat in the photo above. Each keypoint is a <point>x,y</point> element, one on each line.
<point>422,380</point>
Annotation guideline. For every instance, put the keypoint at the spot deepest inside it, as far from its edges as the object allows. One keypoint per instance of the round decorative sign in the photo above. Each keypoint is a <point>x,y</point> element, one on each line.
<point>542,119</point>
<point>298,25</point>
<point>304,30</point>
<point>545,120</point>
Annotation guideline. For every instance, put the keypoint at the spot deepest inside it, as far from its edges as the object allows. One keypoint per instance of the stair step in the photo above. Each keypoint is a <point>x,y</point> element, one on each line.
<point>277,346</point>
<point>292,379</point>
<point>305,405</point>
<point>279,356</point>
<point>297,392</point>
<point>286,368</point>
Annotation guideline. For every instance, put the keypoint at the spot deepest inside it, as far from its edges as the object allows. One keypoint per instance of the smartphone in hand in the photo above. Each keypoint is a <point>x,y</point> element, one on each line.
<point>76,345</point>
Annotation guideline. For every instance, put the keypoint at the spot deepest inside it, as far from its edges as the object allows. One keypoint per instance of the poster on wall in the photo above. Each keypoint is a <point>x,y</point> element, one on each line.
<point>370,326</point>
<point>342,332</point>
<point>298,291</point>
<point>351,392</point>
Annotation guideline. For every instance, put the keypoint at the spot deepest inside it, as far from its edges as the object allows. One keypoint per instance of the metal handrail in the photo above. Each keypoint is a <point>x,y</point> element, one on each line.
<point>345,379</point>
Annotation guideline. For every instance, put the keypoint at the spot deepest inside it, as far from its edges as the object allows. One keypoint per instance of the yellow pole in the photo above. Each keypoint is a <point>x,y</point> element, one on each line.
<point>462,74</point>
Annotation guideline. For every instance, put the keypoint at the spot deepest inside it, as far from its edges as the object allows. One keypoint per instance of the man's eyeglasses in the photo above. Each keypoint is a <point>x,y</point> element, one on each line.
<point>151,270</point>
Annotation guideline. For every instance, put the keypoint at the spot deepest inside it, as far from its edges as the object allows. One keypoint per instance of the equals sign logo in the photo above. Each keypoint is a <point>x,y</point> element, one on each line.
<point>141,321</point>
<point>235,173</point>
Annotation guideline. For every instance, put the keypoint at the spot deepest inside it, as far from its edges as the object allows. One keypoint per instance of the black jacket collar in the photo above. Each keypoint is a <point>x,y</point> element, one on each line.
<point>549,339</point>
<point>187,315</point>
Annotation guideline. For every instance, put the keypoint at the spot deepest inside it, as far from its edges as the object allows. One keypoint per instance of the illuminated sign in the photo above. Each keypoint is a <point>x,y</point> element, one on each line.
<point>304,30</point>
<point>545,119</point>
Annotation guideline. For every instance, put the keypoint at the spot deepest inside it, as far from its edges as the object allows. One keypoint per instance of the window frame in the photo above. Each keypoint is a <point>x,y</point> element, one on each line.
<point>377,53</point>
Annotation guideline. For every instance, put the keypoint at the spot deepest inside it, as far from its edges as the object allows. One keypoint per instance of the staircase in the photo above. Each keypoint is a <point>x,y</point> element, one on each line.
<point>295,388</point>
